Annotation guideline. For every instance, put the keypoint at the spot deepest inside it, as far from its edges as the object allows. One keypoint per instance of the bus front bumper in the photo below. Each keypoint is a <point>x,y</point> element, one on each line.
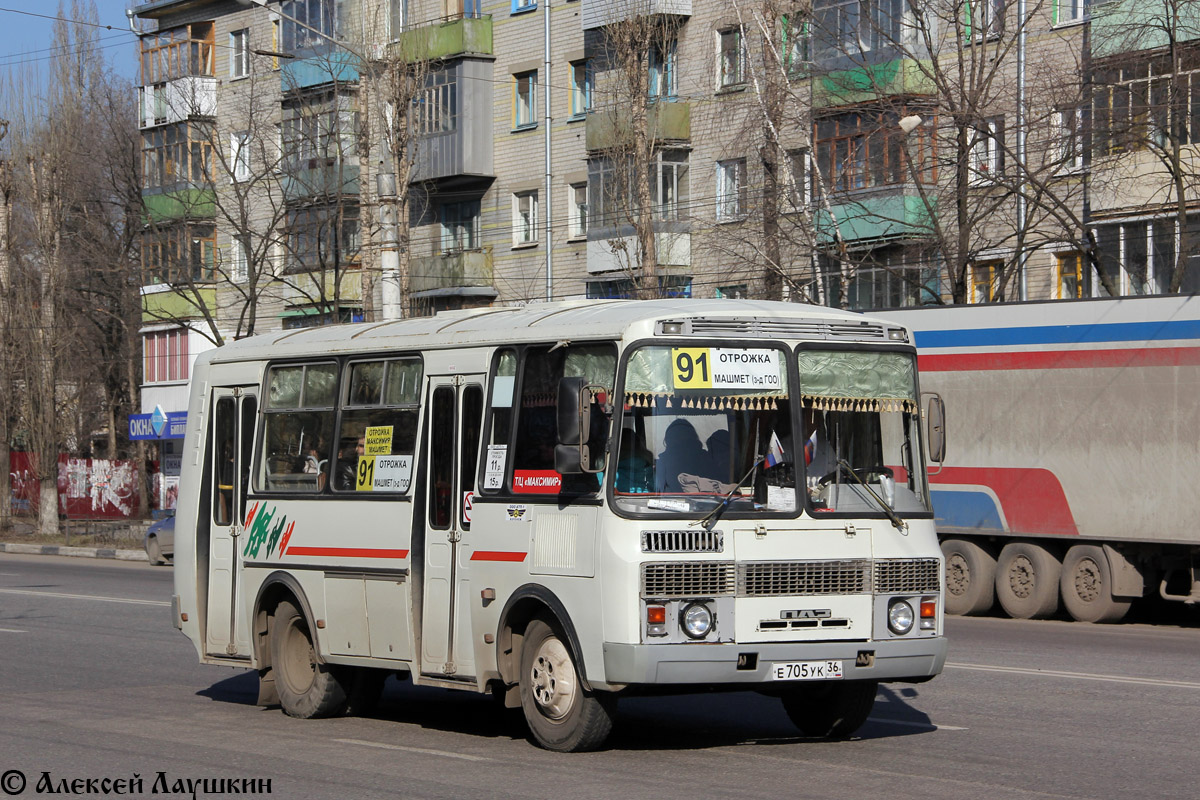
<point>726,663</point>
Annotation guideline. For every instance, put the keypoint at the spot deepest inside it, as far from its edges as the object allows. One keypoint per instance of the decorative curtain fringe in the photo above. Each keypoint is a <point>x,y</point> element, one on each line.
<point>876,404</point>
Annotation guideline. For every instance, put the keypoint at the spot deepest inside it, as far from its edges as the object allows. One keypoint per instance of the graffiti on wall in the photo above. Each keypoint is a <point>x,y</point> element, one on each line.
<point>88,488</point>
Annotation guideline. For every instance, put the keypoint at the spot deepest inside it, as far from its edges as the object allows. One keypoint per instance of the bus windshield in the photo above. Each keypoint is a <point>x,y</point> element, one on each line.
<point>861,436</point>
<point>700,424</point>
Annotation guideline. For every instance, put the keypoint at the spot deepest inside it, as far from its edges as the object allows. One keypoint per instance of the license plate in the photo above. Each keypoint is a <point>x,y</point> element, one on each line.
<point>806,670</point>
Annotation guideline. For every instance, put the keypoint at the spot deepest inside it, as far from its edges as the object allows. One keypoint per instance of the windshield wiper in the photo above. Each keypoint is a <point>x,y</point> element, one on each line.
<point>892,515</point>
<point>710,519</point>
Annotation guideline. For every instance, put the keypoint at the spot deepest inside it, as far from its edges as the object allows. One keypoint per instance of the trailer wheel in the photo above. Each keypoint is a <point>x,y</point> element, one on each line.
<point>970,577</point>
<point>1027,580</point>
<point>307,688</point>
<point>833,710</point>
<point>561,714</point>
<point>1086,586</point>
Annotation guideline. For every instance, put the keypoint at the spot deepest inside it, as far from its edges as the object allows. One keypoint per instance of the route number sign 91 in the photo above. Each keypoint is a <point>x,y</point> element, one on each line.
<point>723,368</point>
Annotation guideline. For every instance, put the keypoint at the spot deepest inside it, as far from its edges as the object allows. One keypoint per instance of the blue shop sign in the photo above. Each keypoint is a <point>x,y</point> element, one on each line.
<point>158,425</point>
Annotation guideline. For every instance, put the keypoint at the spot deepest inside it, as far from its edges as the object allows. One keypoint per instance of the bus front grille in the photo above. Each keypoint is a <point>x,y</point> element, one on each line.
<point>688,579</point>
<point>907,576</point>
<point>767,579</point>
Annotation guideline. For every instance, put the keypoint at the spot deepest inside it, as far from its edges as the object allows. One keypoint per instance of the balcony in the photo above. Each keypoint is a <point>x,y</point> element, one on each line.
<point>673,249</point>
<point>320,180</point>
<point>443,39</point>
<point>176,101</point>
<point>308,73</point>
<point>194,204</point>
<point>599,13</point>
<point>901,76</point>
<point>667,121</point>
<point>176,304</point>
<point>460,149</point>
<point>462,273</point>
<point>878,215</point>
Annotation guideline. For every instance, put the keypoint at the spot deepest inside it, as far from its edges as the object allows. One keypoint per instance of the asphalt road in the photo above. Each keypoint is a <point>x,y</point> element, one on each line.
<point>95,683</point>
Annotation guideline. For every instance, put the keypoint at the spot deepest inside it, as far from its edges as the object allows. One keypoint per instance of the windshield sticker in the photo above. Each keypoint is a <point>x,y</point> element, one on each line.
<point>378,440</point>
<point>493,470</point>
<point>536,481</point>
<point>517,513</point>
<point>668,505</point>
<point>722,368</point>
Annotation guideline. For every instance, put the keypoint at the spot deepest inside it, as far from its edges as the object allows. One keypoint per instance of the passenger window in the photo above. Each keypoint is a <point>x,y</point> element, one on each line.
<point>297,428</point>
<point>472,418</point>
<point>223,445</point>
<point>378,433</point>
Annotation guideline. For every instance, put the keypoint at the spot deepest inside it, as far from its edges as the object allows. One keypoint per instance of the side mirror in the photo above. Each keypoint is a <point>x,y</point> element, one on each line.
<point>935,421</point>
<point>574,412</point>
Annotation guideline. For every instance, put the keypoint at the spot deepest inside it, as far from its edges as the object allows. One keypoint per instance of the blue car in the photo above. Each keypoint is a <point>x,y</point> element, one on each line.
<point>160,541</point>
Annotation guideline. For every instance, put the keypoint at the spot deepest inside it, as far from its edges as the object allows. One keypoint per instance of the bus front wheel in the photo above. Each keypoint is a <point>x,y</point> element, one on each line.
<point>307,688</point>
<point>831,710</point>
<point>562,715</point>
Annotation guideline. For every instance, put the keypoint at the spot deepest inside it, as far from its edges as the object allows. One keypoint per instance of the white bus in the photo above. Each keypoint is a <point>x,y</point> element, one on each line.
<point>562,503</point>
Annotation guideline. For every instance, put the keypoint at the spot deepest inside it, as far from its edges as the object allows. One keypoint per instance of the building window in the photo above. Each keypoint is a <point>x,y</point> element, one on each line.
<point>180,255</point>
<point>460,226</point>
<point>437,106</point>
<point>165,356</point>
<point>795,44</point>
<point>731,58</point>
<point>985,18</point>
<point>581,88</point>
<point>1140,101</point>
<point>731,189</point>
<point>861,149</point>
<point>240,256</point>
<point>670,191</point>
<point>525,99</point>
<point>1069,269</point>
<point>987,151</point>
<point>177,156</point>
<point>1069,10</point>
<point>886,277</point>
<point>177,53</point>
<point>577,210</point>
<point>797,180</point>
<point>239,156</point>
<point>662,61</point>
<point>309,24</point>
<point>525,218</point>
<point>735,292</point>
<point>239,53</point>
<point>1139,257</point>
<point>522,5</point>
<point>1068,133</point>
<point>982,278</point>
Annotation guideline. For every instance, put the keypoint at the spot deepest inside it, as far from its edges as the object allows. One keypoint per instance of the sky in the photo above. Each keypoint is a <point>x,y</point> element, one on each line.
<point>25,34</point>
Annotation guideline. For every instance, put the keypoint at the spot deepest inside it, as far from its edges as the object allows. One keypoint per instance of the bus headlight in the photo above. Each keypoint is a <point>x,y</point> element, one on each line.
<point>696,619</point>
<point>900,617</point>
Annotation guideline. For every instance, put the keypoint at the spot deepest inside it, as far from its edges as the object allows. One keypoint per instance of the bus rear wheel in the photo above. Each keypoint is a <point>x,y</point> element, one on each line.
<point>970,577</point>
<point>1086,586</point>
<point>562,715</point>
<point>833,710</point>
<point>1027,580</point>
<point>307,688</point>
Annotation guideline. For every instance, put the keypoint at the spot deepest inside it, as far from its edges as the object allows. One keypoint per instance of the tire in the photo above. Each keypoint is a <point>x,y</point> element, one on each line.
<point>154,552</point>
<point>307,688</point>
<point>970,577</point>
<point>1086,586</point>
<point>1027,580</point>
<point>561,714</point>
<point>834,710</point>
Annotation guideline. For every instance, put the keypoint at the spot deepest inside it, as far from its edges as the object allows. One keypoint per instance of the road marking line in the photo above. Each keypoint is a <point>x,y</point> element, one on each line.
<point>11,630</point>
<point>1081,676</point>
<point>382,746</point>
<point>910,724</point>
<point>87,597</point>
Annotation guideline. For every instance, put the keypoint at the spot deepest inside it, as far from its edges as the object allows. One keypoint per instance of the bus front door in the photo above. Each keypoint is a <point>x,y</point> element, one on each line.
<point>232,435</point>
<point>456,416</point>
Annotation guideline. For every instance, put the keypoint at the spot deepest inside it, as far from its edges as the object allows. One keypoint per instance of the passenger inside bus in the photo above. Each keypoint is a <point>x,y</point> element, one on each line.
<point>348,462</point>
<point>683,453</point>
<point>635,464</point>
